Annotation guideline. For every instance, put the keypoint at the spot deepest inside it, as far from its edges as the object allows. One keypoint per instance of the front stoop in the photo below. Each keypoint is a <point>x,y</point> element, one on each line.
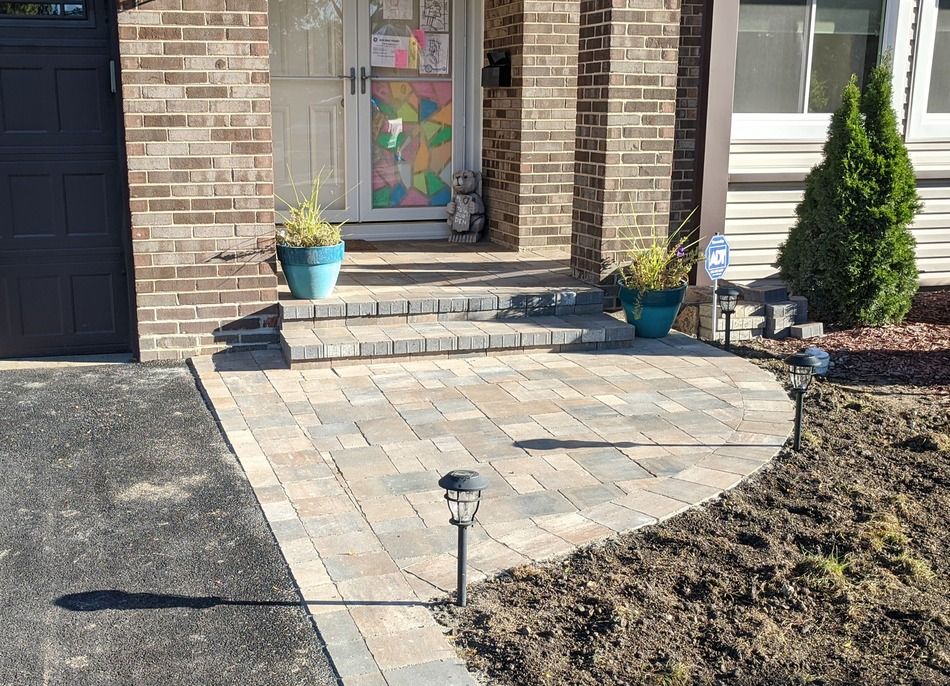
<point>341,331</point>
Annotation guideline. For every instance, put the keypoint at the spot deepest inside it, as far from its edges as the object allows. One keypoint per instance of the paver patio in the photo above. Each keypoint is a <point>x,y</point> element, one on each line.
<point>577,447</point>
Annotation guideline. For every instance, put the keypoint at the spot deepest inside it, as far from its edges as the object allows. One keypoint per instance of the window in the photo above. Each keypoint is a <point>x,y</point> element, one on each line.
<point>42,10</point>
<point>793,58</point>
<point>930,99</point>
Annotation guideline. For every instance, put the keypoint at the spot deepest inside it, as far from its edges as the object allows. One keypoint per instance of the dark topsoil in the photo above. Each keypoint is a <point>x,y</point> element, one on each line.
<point>828,567</point>
<point>132,549</point>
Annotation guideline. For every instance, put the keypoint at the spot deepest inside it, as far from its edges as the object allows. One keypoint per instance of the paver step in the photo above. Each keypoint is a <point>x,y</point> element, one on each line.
<point>342,343</point>
<point>408,308</point>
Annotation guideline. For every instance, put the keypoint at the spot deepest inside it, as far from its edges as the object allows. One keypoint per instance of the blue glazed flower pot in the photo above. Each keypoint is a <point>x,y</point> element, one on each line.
<point>652,312</point>
<point>311,272</point>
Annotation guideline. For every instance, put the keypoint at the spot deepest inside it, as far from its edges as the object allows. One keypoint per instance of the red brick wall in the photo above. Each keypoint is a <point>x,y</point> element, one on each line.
<point>196,100</point>
<point>529,129</point>
<point>627,74</point>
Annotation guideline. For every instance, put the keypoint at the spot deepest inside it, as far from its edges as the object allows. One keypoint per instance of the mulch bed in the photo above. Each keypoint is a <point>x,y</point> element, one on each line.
<point>913,353</point>
<point>828,567</point>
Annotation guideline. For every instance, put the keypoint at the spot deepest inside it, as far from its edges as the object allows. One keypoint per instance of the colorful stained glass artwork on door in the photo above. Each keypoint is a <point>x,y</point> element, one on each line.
<point>412,143</point>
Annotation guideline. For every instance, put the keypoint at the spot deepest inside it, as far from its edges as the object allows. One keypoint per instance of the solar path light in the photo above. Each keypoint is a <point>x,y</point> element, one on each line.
<point>728,299</point>
<point>463,493</point>
<point>801,369</point>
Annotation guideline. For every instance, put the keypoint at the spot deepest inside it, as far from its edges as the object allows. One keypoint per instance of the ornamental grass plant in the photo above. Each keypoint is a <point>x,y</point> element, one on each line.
<point>656,261</point>
<point>304,224</point>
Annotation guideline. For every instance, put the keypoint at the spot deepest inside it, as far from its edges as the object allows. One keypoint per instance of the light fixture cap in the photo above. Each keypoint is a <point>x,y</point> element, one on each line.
<point>803,359</point>
<point>463,480</point>
<point>728,292</point>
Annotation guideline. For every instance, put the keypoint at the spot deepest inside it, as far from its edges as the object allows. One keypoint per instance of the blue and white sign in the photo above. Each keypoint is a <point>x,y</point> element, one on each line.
<point>717,257</point>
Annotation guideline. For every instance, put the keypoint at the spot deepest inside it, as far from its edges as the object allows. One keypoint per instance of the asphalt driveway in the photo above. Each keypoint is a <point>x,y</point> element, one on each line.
<point>132,550</point>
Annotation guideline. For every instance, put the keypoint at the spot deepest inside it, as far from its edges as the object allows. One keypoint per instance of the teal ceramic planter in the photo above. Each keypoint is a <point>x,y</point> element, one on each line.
<point>311,272</point>
<point>654,314</point>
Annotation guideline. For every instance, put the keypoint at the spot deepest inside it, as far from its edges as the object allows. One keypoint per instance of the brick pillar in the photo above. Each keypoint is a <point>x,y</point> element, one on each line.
<point>528,141</point>
<point>196,101</point>
<point>687,166</point>
<point>626,102</point>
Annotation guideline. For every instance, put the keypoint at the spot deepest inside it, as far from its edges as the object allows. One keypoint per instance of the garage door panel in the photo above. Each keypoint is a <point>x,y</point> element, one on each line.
<point>19,110</point>
<point>31,209</point>
<point>56,204</point>
<point>79,99</point>
<point>40,304</point>
<point>58,308</point>
<point>57,99</point>
<point>64,286</point>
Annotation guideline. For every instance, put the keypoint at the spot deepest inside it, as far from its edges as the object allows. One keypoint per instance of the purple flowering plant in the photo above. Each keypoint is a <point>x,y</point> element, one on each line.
<point>657,261</point>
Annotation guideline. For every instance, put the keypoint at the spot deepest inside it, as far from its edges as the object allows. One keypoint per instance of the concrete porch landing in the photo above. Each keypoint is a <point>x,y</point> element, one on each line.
<point>577,447</point>
<point>408,270</point>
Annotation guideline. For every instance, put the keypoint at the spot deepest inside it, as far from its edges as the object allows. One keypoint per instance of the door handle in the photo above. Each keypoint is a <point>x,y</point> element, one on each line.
<point>363,78</point>
<point>352,78</point>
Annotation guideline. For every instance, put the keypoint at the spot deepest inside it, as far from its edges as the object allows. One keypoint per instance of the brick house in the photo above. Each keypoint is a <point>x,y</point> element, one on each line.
<point>141,146</point>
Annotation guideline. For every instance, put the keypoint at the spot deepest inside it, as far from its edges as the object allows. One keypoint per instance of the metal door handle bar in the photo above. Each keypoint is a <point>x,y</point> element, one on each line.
<point>352,78</point>
<point>363,77</point>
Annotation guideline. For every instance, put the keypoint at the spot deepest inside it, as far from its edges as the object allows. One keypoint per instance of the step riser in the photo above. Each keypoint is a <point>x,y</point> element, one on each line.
<point>472,316</point>
<point>384,359</point>
<point>491,306</point>
<point>376,346</point>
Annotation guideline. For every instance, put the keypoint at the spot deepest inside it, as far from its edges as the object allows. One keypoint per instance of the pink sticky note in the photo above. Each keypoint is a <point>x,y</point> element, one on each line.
<point>402,59</point>
<point>420,37</point>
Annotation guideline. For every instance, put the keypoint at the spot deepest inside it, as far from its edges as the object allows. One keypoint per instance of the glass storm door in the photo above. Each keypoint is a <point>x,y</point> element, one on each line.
<point>314,102</point>
<point>410,123</point>
<point>363,95</point>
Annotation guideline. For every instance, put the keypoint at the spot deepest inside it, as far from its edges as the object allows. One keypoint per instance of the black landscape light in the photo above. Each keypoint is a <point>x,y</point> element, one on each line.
<point>801,368</point>
<point>463,493</point>
<point>728,299</point>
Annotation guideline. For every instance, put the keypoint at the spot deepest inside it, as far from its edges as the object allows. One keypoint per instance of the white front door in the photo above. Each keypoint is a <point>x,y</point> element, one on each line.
<point>367,95</point>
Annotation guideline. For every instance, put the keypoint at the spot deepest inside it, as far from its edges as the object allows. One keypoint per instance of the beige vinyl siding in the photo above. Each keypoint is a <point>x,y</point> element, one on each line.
<point>766,183</point>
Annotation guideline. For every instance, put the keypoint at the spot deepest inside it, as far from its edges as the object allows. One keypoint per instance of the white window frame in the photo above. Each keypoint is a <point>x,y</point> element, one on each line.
<point>922,125</point>
<point>810,126</point>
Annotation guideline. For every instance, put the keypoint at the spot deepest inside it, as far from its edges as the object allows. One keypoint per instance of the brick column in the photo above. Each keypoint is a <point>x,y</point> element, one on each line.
<point>196,100</point>
<point>626,102</point>
<point>528,159</point>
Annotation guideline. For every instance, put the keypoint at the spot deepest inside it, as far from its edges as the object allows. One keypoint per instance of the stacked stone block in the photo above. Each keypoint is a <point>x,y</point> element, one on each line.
<point>196,103</point>
<point>748,322</point>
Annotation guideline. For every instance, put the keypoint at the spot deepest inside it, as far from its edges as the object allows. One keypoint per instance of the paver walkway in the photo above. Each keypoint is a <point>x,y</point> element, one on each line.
<point>576,446</point>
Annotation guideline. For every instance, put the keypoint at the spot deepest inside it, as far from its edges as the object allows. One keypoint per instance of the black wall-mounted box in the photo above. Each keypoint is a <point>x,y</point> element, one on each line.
<point>498,72</point>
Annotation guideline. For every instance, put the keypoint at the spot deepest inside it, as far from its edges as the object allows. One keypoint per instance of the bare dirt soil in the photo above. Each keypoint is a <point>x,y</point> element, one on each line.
<point>828,567</point>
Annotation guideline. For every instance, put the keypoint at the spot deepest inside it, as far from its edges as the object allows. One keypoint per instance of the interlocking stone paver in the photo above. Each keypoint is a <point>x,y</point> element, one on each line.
<point>410,647</point>
<point>576,447</point>
<point>443,673</point>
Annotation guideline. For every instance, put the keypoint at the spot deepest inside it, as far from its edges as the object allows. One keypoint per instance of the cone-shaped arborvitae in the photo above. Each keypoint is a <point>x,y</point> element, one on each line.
<point>851,253</point>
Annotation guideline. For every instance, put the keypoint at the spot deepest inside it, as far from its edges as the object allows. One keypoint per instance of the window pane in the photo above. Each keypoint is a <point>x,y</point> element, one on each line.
<point>770,56</point>
<point>847,40</point>
<point>42,10</point>
<point>939,99</point>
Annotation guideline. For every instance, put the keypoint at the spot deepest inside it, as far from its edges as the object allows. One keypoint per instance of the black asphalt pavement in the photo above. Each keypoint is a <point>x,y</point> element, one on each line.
<point>132,550</point>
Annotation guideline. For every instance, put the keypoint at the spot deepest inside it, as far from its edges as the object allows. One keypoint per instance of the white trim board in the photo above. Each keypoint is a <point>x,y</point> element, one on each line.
<point>396,231</point>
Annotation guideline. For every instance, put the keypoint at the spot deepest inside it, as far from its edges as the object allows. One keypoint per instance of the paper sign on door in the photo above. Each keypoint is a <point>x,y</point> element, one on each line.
<point>435,54</point>
<point>398,9</point>
<point>388,51</point>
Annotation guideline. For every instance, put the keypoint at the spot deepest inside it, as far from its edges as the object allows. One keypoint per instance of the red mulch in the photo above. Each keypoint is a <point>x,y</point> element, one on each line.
<point>915,352</point>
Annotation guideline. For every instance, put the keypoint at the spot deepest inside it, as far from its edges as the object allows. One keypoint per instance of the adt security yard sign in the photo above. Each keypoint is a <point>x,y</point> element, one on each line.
<point>717,257</point>
<point>717,261</point>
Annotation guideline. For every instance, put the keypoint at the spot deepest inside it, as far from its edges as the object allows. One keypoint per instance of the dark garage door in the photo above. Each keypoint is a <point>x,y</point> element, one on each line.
<point>63,272</point>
